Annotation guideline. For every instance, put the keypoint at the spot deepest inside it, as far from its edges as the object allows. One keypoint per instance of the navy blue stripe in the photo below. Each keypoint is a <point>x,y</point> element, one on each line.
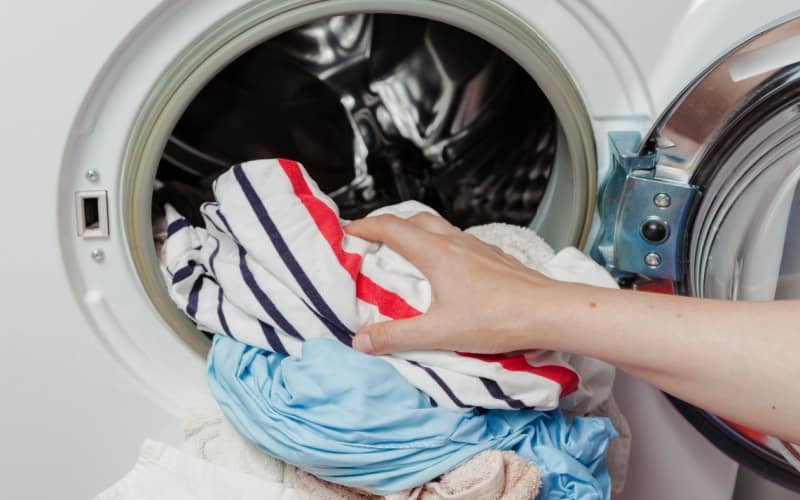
<point>257,292</point>
<point>221,315</point>
<point>286,255</point>
<point>272,338</point>
<point>194,295</point>
<point>211,220</point>
<point>436,378</point>
<point>262,298</point>
<point>228,227</point>
<point>213,257</point>
<point>183,273</point>
<point>498,393</point>
<point>341,336</point>
<point>176,226</point>
<point>433,402</point>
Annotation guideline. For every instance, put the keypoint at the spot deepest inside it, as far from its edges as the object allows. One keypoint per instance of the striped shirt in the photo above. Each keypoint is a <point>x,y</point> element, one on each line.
<point>273,267</point>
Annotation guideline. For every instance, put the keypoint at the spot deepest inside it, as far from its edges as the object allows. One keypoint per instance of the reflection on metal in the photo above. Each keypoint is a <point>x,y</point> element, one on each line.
<point>738,243</point>
<point>380,109</point>
<point>328,47</point>
<point>697,118</point>
<point>643,217</point>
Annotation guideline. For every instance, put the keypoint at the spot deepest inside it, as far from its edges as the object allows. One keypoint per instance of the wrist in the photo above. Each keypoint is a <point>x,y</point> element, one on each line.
<point>555,312</point>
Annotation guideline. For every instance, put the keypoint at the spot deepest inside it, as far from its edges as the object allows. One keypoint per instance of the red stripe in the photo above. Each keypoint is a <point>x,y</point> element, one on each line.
<point>656,286</point>
<point>754,435</point>
<point>388,303</point>
<point>566,378</point>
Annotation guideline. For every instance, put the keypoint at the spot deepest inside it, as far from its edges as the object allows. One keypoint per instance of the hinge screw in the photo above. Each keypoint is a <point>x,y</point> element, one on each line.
<point>662,200</point>
<point>652,259</point>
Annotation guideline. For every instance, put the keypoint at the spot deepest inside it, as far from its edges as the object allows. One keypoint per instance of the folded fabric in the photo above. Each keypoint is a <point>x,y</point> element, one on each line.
<point>349,418</point>
<point>492,475</point>
<point>166,473</point>
<point>273,268</point>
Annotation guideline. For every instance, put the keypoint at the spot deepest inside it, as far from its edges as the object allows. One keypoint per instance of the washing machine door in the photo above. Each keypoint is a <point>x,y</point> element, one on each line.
<point>708,205</point>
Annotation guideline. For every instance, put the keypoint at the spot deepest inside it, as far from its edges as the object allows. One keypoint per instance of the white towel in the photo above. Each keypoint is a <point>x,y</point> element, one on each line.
<point>274,267</point>
<point>166,473</point>
<point>208,435</point>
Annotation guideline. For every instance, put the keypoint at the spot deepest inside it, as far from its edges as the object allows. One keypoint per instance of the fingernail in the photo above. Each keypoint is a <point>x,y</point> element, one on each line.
<point>362,343</point>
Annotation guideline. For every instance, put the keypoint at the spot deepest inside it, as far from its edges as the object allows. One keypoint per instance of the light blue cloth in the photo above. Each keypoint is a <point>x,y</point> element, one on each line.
<point>352,419</point>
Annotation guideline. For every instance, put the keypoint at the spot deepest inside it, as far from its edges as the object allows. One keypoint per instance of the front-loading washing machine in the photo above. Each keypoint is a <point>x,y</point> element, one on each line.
<point>659,137</point>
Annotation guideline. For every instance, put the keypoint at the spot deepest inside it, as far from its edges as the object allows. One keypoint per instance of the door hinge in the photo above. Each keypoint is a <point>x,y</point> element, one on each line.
<point>643,218</point>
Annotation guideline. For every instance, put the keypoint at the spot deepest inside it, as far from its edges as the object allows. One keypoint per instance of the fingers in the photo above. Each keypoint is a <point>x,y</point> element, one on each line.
<point>394,336</point>
<point>401,235</point>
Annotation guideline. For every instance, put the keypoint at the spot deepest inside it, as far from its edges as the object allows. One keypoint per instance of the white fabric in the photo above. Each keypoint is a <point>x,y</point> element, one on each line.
<point>209,436</point>
<point>166,473</point>
<point>273,267</point>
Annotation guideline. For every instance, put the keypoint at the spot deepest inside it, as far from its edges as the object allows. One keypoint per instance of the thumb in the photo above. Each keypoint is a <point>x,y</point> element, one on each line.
<point>393,336</point>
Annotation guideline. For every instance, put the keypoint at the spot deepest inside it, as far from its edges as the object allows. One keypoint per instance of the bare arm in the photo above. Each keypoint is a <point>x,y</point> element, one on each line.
<point>735,359</point>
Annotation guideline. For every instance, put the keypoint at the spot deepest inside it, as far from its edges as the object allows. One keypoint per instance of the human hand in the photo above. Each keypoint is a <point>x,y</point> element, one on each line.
<point>482,299</point>
<point>485,301</point>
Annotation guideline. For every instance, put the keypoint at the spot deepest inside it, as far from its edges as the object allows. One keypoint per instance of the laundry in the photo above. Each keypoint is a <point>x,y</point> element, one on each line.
<point>215,462</point>
<point>163,472</point>
<point>492,475</point>
<point>211,437</point>
<point>367,427</point>
<point>273,267</point>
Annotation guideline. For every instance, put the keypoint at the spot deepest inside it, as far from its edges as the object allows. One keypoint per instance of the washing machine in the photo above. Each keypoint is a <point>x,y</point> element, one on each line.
<point>661,137</point>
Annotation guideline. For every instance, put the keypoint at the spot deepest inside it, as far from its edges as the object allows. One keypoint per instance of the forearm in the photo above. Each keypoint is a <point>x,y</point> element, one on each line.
<point>727,357</point>
<point>735,359</point>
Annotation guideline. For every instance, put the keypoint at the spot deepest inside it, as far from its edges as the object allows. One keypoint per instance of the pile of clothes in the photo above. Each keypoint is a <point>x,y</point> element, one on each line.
<point>283,289</point>
<point>216,462</point>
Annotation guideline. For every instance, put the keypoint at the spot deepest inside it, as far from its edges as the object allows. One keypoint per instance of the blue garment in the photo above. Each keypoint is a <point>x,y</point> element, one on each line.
<point>366,426</point>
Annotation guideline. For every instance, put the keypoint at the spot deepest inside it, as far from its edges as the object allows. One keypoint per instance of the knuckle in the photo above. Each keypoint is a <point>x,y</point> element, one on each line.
<point>424,220</point>
<point>384,218</point>
<point>427,217</point>
<point>421,216</point>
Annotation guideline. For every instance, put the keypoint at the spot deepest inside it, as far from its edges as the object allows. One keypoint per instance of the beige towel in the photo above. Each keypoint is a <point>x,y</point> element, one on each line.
<point>492,475</point>
<point>313,488</point>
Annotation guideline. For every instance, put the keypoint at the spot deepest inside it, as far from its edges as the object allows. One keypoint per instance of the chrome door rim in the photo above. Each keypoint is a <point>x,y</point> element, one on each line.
<point>741,103</point>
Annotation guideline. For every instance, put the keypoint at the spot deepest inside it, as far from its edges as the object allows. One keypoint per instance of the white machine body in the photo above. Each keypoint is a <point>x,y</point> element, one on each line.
<point>90,368</point>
